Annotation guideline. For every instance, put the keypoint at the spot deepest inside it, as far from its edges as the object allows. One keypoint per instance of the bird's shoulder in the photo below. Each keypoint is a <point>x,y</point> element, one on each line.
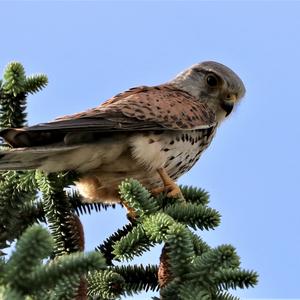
<point>167,91</point>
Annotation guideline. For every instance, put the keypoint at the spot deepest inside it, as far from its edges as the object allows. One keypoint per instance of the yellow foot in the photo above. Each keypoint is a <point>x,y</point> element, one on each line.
<point>173,191</point>
<point>158,190</point>
<point>130,212</point>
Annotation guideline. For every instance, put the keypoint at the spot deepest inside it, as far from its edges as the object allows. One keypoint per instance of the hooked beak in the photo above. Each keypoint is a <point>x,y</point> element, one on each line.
<point>228,104</point>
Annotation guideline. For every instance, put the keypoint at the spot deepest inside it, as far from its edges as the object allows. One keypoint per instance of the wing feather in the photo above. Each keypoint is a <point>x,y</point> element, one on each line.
<point>141,108</point>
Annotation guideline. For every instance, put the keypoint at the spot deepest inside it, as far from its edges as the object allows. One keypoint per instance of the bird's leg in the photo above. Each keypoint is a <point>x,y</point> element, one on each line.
<point>131,214</point>
<point>169,185</point>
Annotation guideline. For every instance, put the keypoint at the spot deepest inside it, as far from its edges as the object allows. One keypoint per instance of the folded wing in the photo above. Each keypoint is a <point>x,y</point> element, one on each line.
<point>142,108</point>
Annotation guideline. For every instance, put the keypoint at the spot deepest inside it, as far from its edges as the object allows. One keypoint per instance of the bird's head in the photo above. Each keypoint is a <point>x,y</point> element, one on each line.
<point>213,83</point>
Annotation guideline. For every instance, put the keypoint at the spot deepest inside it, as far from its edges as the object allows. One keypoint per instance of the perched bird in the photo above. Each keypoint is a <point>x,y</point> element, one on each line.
<point>153,134</point>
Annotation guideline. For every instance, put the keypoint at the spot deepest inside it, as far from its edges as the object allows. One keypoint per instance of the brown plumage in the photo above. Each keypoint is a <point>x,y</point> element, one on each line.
<point>148,133</point>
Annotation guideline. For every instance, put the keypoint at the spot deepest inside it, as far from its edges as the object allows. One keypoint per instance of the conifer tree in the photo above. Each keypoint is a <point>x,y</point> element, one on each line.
<point>49,261</point>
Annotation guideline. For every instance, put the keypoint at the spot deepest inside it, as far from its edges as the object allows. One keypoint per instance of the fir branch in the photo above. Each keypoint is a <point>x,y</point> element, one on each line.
<point>107,247</point>
<point>27,216</point>
<point>224,296</point>
<point>190,291</point>
<point>65,289</point>
<point>13,97</point>
<point>59,214</point>
<point>232,278</point>
<point>137,198</point>
<point>13,205</point>
<point>135,243</point>
<point>204,266</point>
<point>79,207</point>
<point>59,279</point>
<point>138,278</point>
<point>171,290</point>
<point>33,245</point>
<point>106,284</point>
<point>12,110</point>
<point>14,76</point>
<point>12,193</point>
<point>26,181</point>
<point>65,266</point>
<point>196,216</point>
<point>32,213</point>
<point>35,83</point>
<point>156,226</point>
<point>199,245</point>
<point>13,94</point>
<point>179,248</point>
<point>164,201</point>
<point>195,195</point>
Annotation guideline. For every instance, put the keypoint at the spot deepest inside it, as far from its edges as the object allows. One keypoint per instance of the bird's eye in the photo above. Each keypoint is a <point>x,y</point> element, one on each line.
<point>212,80</point>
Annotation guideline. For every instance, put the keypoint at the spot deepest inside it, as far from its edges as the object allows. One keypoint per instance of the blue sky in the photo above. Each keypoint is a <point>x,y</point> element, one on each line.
<point>93,50</point>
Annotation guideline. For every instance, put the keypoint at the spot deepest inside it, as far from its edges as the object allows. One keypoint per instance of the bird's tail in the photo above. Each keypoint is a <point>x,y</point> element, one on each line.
<point>32,157</point>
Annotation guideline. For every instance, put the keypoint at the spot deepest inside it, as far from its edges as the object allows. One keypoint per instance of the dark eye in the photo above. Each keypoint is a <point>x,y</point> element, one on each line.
<point>212,80</point>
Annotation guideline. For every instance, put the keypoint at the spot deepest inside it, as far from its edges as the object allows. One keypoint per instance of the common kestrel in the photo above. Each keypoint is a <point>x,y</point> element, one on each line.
<point>153,134</point>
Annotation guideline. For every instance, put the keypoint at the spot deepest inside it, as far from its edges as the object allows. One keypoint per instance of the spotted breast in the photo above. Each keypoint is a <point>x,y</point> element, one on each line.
<point>188,147</point>
<point>176,151</point>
